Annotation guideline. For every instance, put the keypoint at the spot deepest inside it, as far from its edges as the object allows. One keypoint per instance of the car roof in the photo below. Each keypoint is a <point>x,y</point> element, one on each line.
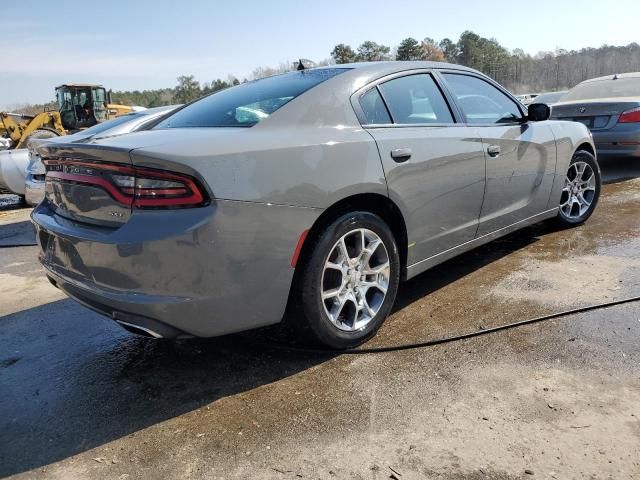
<point>81,85</point>
<point>616,76</point>
<point>393,66</point>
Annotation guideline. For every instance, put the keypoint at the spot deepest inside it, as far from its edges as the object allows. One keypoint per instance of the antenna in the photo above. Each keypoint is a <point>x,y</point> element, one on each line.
<point>300,65</point>
<point>615,77</point>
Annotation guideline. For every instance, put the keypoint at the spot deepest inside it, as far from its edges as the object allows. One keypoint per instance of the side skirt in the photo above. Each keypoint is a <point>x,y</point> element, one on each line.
<point>427,263</point>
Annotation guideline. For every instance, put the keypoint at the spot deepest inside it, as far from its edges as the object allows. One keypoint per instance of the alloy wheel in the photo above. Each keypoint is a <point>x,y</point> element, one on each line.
<point>355,279</point>
<point>579,190</point>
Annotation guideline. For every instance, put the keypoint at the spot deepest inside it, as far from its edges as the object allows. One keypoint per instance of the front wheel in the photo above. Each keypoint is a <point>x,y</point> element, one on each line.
<point>581,190</point>
<point>349,282</point>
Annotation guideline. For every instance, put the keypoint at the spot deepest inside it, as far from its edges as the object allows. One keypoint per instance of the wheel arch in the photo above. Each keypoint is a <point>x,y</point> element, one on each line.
<point>374,203</point>
<point>586,147</point>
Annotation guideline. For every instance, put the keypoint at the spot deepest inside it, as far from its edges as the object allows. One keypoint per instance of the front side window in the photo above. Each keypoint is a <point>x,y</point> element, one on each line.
<point>415,99</point>
<point>481,102</point>
<point>249,103</point>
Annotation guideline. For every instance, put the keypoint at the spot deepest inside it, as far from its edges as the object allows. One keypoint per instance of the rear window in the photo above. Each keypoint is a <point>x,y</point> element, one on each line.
<point>248,103</point>
<point>622,87</point>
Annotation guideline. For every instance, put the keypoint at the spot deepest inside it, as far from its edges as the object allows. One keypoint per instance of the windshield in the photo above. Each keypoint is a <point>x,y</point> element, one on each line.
<point>248,103</point>
<point>623,87</point>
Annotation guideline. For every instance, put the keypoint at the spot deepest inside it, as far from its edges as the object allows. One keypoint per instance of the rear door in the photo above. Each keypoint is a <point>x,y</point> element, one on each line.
<point>521,156</point>
<point>435,167</point>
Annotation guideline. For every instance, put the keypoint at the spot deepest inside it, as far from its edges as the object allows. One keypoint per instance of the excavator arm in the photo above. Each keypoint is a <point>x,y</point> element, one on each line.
<point>19,132</point>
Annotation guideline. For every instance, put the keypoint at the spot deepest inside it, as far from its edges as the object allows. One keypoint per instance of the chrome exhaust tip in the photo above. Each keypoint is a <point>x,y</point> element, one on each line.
<point>138,330</point>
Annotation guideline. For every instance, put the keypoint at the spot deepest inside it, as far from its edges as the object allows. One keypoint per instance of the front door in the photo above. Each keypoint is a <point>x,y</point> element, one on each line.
<point>520,155</point>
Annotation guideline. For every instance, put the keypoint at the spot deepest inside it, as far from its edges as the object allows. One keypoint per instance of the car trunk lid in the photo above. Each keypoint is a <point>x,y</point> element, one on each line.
<point>79,182</point>
<point>599,114</point>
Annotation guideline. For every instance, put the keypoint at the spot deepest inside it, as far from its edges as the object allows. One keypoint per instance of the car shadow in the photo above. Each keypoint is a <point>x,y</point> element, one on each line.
<point>616,170</point>
<point>72,380</point>
<point>11,202</point>
<point>458,267</point>
<point>17,234</point>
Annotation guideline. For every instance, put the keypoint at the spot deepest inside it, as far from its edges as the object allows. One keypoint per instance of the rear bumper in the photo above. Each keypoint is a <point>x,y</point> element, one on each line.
<point>33,190</point>
<point>195,272</point>
<point>611,143</point>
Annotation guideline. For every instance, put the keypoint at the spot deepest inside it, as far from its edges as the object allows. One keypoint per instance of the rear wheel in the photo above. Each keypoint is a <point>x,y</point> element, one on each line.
<point>349,281</point>
<point>581,190</point>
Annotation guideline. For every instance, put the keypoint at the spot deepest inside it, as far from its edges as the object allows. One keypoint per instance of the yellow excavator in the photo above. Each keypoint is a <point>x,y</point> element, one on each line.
<point>79,106</point>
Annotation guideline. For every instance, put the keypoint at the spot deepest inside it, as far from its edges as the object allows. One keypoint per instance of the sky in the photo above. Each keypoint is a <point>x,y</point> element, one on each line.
<point>138,45</point>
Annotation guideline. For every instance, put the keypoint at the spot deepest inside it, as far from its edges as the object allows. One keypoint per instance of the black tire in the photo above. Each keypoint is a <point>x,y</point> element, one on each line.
<point>567,220</point>
<point>311,315</point>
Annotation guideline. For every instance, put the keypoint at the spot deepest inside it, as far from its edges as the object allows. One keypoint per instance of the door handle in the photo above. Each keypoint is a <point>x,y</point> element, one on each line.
<point>493,150</point>
<point>401,154</point>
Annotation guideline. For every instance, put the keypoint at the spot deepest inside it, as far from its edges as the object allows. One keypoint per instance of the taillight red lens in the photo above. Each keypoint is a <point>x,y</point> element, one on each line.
<point>630,116</point>
<point>132,186</point>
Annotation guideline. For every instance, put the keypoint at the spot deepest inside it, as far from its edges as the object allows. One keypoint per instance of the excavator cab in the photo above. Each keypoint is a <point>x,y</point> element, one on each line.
<point>82,106</point>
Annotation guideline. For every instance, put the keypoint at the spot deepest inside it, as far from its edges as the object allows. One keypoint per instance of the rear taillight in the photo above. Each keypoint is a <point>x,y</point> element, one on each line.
<point>630,116</point>
<point>137,187</point>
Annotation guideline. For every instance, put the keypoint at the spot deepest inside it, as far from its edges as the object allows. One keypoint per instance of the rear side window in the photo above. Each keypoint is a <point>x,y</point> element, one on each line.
<point>373,107</point>
<point>248,103</point>
<point>481,102</point>
<point>415,99</point>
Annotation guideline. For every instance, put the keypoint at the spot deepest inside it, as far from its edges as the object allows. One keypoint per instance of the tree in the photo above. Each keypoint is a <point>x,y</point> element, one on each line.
<point>450,50</point>
<point>409,49</point>
<point>342,53</point>
<point>469,49</point>
<point>188,89</point>
<point>372,52</point>
<point>484,54</point>
<point>431,51</point>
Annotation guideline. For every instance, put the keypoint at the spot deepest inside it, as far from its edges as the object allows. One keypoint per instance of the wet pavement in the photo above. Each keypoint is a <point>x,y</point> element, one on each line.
<point>80,398</point>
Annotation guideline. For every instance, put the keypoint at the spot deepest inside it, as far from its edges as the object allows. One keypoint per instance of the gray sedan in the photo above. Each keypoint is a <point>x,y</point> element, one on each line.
<point>314,192</point>
<point>610,107</point>
<point>35,172</point>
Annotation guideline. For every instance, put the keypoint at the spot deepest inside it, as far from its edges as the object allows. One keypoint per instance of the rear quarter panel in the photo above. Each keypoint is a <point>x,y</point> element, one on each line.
<point>306,166</point>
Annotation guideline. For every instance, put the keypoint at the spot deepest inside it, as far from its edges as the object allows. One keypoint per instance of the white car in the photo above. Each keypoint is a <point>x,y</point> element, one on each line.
<point>13,165</point>
<point>33,183</point>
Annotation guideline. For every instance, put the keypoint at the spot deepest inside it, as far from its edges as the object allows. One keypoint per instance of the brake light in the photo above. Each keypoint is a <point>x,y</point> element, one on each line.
<point>630,116</point>
<point>135,187</point>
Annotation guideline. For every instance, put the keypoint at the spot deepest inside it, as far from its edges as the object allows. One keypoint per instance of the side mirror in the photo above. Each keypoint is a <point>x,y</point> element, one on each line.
<point>538,112</point>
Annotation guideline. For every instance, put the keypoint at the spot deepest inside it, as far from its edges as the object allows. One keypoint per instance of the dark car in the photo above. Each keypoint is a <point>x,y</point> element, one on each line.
<point>610,107</point>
